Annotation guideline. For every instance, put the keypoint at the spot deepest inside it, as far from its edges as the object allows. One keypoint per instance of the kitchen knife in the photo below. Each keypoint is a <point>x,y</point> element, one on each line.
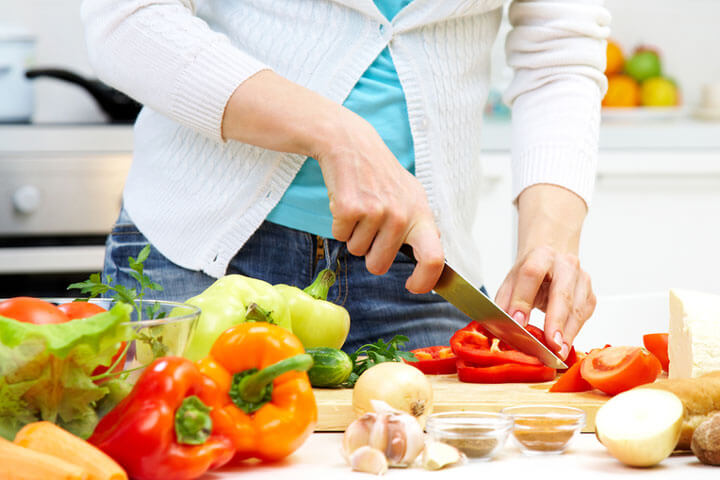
<point>476,305</point>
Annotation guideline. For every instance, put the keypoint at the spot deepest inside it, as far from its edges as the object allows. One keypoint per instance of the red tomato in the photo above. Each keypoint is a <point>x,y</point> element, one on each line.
<point>657,343</point>
<point>571,380</point>
<point>616,369</point>
<point>81,309</point>
<point>32,310</point>
<point>435,360</point>
<point>76,310</point>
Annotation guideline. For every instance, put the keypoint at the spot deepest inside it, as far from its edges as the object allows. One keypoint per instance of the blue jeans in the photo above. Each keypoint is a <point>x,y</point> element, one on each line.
<point>379,306</point>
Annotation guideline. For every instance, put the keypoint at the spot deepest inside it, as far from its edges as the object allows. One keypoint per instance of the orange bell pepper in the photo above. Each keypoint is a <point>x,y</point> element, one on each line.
<point>267,407</point>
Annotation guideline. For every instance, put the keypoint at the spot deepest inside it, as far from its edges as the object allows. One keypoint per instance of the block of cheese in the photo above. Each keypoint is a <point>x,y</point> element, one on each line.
<point>694,340</point>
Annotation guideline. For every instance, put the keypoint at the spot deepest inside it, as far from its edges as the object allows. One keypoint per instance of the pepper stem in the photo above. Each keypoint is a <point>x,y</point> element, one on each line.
<point>321,286</point>
<point>252,389</point>
<point>193,424</point>
<point>255,313</point>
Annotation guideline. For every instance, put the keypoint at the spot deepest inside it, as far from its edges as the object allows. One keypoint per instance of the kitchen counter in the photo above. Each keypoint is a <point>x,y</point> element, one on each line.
<point>629,134</point>
<point>320,458</point>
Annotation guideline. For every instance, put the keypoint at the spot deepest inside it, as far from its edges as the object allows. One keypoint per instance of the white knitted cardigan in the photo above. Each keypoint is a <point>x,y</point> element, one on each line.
<point>198,199</point>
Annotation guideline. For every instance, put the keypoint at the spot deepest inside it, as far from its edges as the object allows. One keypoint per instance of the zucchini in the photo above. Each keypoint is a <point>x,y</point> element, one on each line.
<point>331,367</point>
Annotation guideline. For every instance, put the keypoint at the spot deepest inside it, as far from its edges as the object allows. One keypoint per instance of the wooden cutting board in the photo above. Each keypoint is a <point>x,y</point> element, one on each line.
<point>335,405</point>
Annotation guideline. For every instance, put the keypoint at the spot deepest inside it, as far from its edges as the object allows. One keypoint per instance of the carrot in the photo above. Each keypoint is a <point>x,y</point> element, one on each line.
<point>50,439</point>
<point>18,463</point>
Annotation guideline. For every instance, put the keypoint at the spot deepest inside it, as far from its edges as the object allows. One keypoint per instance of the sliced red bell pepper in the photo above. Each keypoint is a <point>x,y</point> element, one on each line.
<point>163,428</point>
<point>503,373</point>
<point>476,345</point>
<point>571,380</point>
<point>435,360</point>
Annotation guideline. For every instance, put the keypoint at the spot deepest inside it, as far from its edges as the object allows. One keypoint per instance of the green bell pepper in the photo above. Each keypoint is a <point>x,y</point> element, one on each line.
<point>234,299</point>
<point>316,321</point>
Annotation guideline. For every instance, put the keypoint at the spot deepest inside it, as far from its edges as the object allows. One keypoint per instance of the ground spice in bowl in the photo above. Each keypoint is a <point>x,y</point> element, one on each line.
<point>541,429</point>
<point>479,435</point>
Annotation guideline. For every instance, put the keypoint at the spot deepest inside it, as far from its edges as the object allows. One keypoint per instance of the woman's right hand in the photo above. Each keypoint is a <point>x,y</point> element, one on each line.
<point>376,204</point>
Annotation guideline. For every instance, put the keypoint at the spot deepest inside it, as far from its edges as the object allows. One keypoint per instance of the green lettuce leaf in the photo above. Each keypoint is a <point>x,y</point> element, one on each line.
<point>45,370</point>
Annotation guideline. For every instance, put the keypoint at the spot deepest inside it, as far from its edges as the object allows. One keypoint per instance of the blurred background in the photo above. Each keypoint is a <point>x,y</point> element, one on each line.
<point>653,222</point>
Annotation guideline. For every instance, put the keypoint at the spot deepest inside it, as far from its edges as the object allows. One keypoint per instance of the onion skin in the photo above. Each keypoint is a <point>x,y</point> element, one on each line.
<point>400,385</point>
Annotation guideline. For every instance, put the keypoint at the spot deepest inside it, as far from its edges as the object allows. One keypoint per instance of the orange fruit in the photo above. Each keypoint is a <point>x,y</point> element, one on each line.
<point>615,58</point>
<point>622,91</point>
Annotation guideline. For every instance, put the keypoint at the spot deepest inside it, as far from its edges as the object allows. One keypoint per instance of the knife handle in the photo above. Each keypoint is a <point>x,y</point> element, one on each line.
<point>407,250</point>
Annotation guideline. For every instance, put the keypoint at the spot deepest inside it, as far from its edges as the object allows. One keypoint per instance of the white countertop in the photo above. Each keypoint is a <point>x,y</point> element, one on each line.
<point>319,458</point>
<point>626,134</point>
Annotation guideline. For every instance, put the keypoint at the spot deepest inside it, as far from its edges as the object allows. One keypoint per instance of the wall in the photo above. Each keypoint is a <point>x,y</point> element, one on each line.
<point>686,36</point>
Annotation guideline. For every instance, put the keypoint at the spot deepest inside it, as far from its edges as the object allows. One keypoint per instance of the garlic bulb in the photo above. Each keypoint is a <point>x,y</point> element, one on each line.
<point>369,460</point>
<point>397,434</point>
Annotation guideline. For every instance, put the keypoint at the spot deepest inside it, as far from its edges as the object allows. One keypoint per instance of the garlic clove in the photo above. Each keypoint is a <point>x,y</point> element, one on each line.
<point>369,460</point>
<point>379,433</point>
<point>438,455</point>
<point>358,433</point>
<point>406,440</point>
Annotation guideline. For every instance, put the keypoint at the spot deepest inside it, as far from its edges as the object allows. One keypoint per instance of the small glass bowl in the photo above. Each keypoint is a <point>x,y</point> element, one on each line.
<point>479,435</point>
<point>544,429</point>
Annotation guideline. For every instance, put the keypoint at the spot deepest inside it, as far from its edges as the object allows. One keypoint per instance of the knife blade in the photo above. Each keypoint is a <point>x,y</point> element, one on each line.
<point>478,306</point>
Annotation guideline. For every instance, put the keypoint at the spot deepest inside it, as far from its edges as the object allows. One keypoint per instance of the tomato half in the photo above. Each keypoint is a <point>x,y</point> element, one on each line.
<point>504,373</point>
<point>435,360</point>
<point>657,343</point>
<point>616,369</point>
<point>32,310</point>
<point>81,309</point>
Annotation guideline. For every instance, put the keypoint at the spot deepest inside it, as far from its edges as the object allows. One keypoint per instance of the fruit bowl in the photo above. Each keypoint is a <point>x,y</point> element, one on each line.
<point>72,373</point>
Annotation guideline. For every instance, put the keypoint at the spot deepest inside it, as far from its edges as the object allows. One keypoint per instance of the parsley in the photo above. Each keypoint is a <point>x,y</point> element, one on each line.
<point>94,286</point>
<point>371,354</point>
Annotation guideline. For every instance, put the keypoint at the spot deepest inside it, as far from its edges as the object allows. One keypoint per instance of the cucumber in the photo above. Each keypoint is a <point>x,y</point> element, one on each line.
<point>331,367</point>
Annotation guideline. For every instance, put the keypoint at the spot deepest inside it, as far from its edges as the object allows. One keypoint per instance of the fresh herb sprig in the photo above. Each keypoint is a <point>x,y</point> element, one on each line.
<point>371,354</point>
<point>94,287</point>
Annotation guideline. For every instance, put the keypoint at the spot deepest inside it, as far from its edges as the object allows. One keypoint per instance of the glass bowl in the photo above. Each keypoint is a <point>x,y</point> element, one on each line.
<point>165,329</point>
<point>479,435</point>
<point>544,429</point>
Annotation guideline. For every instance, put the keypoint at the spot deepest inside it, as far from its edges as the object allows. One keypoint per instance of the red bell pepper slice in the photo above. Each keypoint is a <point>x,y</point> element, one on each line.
<point>476,345</point>
<point>503,373</point>
<point>437,360</point>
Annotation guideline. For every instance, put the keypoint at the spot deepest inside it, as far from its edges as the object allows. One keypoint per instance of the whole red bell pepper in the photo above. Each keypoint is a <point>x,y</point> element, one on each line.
<point>503,373</point>
<point>435,360</point>
<point>163,429</point>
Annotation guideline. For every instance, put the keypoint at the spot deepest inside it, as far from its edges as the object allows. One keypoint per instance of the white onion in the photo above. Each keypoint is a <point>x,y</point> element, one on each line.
<point>400,385</point>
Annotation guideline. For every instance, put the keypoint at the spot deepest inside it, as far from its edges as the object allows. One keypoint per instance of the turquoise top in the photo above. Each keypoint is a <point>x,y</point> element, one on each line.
<point>378,97</point>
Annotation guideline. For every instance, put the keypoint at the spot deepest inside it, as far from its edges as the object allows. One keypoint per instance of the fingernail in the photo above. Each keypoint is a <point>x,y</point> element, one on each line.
<point>519,317</point>
<point>564,351</point>
<point>558,338</point>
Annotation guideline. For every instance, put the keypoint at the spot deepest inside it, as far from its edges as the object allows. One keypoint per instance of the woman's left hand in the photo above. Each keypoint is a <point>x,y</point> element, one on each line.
<point>547,273</point>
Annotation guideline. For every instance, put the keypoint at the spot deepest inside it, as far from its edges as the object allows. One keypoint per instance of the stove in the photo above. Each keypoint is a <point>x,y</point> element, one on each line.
<point>60,193</point>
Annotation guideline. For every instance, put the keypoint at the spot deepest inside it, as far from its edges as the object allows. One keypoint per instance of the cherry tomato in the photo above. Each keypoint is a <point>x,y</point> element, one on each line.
<point>32,310</point>
<point>81,309</point>
<point>657,343</point>
<point>616,369</point>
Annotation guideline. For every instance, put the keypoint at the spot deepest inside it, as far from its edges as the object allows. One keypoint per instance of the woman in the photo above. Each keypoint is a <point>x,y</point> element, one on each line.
<point>272,128</point>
